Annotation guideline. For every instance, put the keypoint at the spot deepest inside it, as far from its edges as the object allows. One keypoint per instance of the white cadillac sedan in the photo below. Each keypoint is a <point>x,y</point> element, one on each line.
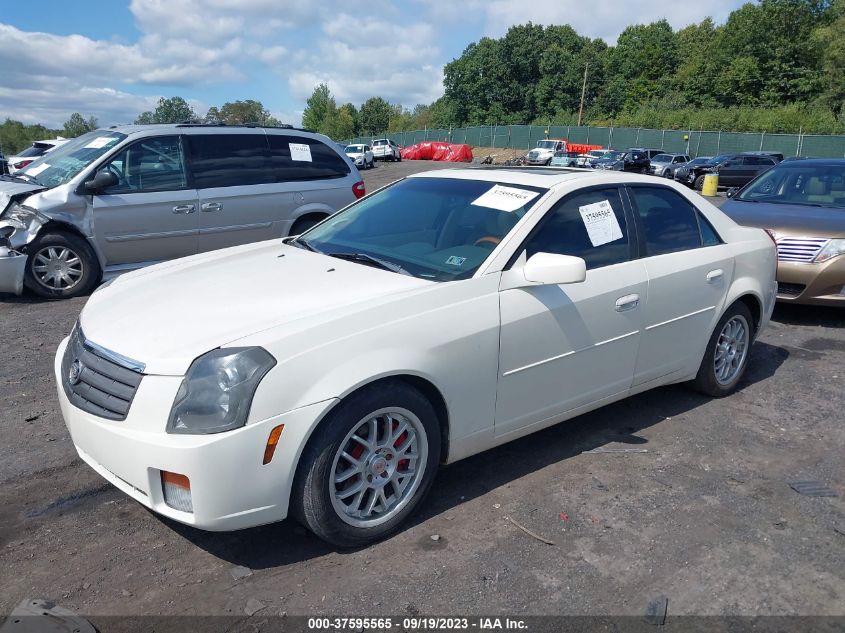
<point>327,376</point>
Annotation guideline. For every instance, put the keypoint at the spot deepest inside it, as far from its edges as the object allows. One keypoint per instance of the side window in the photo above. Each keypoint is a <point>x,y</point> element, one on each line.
<point>302,158</point>
<point>759,161</point>
<point>679,159</point>
<point>709,237</point>
<point>734,162</point>
<point>227,160</point>
<point>669,221</point>
<point>564,229</point>
<point>152,164</point>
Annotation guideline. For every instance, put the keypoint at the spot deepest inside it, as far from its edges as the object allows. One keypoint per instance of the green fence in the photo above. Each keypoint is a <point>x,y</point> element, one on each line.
<point>695,142</point>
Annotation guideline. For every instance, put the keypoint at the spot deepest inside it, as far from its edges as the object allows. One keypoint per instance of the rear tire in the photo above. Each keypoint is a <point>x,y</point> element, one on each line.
<point>60,266</point>
<point>726,357</point>
<point>332,509</point>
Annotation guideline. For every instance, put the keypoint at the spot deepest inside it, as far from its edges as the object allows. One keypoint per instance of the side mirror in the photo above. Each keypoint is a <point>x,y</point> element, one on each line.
<point>732,192</point>
<point>553,269</point>
<point>101,181</point>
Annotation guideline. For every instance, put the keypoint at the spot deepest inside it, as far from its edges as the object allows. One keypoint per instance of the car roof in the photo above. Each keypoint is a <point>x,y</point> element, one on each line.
<point>818,162</point>
<point>544,177</point>
<point>199,128</point>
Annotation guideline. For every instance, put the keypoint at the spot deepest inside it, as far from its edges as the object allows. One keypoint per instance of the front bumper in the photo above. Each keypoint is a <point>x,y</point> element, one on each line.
<point>230,487</point>
<point>812,284</point>
<point>12,266</point>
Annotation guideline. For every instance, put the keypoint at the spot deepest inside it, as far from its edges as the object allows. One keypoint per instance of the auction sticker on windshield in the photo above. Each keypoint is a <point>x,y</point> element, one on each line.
<point>100,142</point>
<point>300,151</point>
<point>34,171</point>
<point>601,223</point>
<point>505,198</point>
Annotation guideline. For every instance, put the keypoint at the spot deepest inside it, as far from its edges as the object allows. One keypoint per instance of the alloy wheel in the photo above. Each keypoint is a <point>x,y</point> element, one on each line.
<point>731,349</point>
<point>57,267</point>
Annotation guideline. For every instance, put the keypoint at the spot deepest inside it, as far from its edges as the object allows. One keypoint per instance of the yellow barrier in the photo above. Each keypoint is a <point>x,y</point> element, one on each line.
<point>711,185</point>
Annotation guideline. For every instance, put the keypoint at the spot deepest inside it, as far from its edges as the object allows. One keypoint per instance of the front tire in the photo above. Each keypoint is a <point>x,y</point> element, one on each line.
<point>726,357</point>
<point>368,465</point>
<point>60,266</point>
<point>699,183</point>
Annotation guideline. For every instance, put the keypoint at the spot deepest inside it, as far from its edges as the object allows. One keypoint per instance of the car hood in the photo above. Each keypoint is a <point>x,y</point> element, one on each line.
<point>10,189</point>
<point>788,219</point>
<point>167,315</point>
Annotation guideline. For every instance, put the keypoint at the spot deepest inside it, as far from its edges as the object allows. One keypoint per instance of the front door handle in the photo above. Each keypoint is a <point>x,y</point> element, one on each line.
<point>715,275</point>
<point>212,206</point>
<point>628,302</point>
<point>184,208</point>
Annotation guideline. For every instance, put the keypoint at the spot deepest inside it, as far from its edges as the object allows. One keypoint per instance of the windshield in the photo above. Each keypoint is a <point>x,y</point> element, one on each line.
<point>662,158</point>
<point>546,144</point>
<point>613,156</point>
<point>703,160</point>
<point>63,163</point>
<point>378,143</point>
<point>441,229</point>
<point>815,185</point>
<point>598,153</point>
<point>354,149</point>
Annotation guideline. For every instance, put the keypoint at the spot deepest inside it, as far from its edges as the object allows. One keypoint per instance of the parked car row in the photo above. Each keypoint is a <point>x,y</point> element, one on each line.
<point>734,170</point>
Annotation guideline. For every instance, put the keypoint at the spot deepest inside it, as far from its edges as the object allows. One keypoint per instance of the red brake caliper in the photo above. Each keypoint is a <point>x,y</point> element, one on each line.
<point>403,463</point>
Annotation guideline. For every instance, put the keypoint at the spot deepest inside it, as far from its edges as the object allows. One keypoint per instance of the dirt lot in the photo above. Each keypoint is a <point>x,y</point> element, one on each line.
<point>705,517</point>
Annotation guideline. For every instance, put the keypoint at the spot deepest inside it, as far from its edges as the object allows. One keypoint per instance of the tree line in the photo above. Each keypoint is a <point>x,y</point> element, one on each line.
<point>774,66</point>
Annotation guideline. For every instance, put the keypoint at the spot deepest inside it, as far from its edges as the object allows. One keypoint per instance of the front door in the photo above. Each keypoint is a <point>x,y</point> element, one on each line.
<point>151,213</point>
<point>689,272</point>
<point>565,346</point>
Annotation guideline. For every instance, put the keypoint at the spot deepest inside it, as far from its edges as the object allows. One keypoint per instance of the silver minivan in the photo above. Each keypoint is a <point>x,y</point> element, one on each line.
<point>122,198</point>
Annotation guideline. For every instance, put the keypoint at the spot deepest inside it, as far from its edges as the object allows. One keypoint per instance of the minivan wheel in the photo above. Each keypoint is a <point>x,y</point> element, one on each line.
<point>60,266</point>
<point>368,465</point>
<point>726,357</point>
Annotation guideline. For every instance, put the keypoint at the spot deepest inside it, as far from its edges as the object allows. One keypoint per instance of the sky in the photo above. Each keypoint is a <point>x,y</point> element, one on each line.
<point>114,59</point>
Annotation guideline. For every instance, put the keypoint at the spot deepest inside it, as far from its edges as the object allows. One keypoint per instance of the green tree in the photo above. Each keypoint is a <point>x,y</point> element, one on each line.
<point>172,110</point>
<point>319,107</point>
<point>76,125</point>
<point>374,116</point>
<point>240,113</point>
<point>353,114</point>
<point>15,136</point>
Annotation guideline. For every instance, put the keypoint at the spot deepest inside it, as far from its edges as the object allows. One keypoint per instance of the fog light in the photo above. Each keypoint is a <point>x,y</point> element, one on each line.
<point>177,491</point>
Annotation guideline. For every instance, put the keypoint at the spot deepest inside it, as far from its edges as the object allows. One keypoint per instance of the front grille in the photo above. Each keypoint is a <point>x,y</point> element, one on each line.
<point>791,290</point>
<point>800,249</point>
<point>95,383</point>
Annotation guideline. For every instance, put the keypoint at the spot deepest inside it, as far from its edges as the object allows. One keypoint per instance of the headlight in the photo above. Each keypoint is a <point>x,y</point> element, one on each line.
<point>834,248</point>
<point>18,216</point>
<point>217,391</point>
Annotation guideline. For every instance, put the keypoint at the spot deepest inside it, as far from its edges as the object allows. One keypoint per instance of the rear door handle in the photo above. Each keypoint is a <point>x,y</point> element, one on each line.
<point>628,302</point>
<point>212,206</point>
<point>184,208</point>
<point>715,275</point>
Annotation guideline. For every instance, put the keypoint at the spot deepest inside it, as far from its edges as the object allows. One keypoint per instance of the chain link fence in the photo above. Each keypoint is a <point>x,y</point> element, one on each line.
<point>694,142</point>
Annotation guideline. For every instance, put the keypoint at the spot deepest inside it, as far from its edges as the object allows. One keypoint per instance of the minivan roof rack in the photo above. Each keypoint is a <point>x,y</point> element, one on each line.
<point>281,126</point>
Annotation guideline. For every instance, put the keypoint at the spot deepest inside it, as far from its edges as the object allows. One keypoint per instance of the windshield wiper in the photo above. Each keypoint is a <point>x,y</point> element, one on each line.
<point>22,178</point>
<point>298,241</point>
<point>364,258</point>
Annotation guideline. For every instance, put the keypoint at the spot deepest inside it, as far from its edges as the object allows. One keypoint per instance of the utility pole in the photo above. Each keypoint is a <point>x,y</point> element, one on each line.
<point>583,92</point>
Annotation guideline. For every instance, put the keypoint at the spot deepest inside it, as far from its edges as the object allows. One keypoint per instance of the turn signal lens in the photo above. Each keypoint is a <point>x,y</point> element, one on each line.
<point>272,441</point>
<point>177,491</point>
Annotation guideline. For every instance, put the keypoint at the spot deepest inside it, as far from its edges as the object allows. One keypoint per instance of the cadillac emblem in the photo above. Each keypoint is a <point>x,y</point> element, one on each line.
<point>74,372</point>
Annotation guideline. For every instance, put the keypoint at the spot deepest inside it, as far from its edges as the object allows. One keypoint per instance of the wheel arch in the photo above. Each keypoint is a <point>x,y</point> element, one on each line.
<point>57,226</point>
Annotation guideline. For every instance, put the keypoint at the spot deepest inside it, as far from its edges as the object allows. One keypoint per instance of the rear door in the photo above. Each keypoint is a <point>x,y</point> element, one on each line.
<point>240,202</point>
<point>689,271</point>
<point>734,172</point>
<point>757,165</point>
<point>151,213</point>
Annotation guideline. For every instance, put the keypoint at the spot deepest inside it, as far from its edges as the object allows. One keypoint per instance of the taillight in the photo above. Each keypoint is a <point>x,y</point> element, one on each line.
<point>22,164</point>
<point>358,189</point>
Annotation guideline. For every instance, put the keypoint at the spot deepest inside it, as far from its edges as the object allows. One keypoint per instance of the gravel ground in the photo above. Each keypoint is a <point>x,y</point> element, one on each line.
<point>706,517</point>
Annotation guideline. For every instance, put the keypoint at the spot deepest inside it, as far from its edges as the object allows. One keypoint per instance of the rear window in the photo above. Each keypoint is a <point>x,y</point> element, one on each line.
<point>379,143</point>
<point>302,158</point>
<point>34,150</point>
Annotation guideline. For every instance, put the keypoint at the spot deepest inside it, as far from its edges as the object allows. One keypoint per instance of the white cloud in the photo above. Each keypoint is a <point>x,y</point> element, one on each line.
<point>605,19</point>
<point>361,57</point>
